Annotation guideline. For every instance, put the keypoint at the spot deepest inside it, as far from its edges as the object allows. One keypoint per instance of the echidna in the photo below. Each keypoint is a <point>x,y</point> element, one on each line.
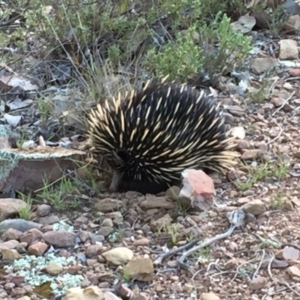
<point>152,135</point>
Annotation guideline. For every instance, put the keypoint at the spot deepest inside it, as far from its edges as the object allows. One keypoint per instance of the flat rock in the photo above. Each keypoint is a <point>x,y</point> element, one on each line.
<point>118,256</point>
<point>293,271</point>
<point>9,206</point>
<point>19,224</point>
<point>10,254</point>
<point>140,269</point>
<point>161,222</point>
<point>108,205</point>
<point>59,238</point>
<point>209,296</point>
<point>9,244</point>
<point>156,202</point>
<point>288,49</point>
<point>11,234</point>
<point>262,65</point>
<point>31,236</point>
<point>254,207</point>
<point>258,283</point>
<point>54,268</point>
<point>88,293</point>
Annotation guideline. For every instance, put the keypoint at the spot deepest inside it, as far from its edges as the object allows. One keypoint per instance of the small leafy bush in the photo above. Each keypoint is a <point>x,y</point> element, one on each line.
<point>179,58</point>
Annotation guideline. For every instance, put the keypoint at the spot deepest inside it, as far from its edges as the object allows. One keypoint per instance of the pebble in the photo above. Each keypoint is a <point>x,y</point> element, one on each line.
<point>93,250</point>
<point>140,269</point>
<point>258,283</point>
<point>59,239</point>
<point>141,242</point>
<point>118,256</point>
<point>209,296</point>
<point>43,210</point>
<point>11,234</point>
<point>10,254</point>
<point>31,236</point>
<point>38,248</point>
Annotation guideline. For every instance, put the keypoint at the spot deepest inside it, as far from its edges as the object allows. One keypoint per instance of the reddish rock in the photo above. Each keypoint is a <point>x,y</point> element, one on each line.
<point>37,249</point>
<point>31,236</point>
<point>60,239</point>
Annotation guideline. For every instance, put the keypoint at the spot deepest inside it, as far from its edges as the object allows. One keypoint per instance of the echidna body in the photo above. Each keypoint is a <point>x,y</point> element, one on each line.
<point>152,135</point>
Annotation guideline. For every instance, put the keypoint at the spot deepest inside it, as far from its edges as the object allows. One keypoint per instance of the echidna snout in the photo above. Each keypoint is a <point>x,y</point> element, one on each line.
<point>154,134</point>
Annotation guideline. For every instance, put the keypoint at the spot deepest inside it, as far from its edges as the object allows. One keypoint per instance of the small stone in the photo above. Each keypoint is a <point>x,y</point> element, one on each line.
<point>38,248</point>
<point>107,223</point>
<point>124,292</point>
<point>53,268</point>
<point>18,292</point>
<point>292,23</point>
<point>43,210</point>
<point>277,101</point>
<point>111,296</point>
<point>85,283</point>
<point>108,205</point>
<point>254,207</point>
<point>140,269</point>
<point>81,220</point>
<point>118,256</point>
<point>105,231</point>
<point>74,269</point>
<point>116,216</point>
<point>238,132</point>
<point>91,292</point>
<point>290,253</point>
<point>10,206</point>
<point>24,298</point>
<point>59,238</point>
<point>261,64</point>
<point>18,280</point>
<point>31,236</point>
<point>251,153</point>
<point>141,242</point>
<point>93,250</point>
<point>50,220</point>
<point>90,262</point>
<point>172,263</point>
<point>209,296</point>
<point>236,110</point>
<point>288,49</point>
<point>198,190</point>
<point>258,283</point>
<point>293,271</point>
<point>84,236</point>
<point>11,234</point>
<point>12,244</point>
<point>97,238</point>
<point>166,220</point>
<point>156,202</point>
<point>10,254</point>
<point>9,286</point>
<point>231,264</point>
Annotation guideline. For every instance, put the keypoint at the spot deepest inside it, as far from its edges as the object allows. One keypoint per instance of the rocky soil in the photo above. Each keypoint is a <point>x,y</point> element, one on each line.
<point>245,240</point>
